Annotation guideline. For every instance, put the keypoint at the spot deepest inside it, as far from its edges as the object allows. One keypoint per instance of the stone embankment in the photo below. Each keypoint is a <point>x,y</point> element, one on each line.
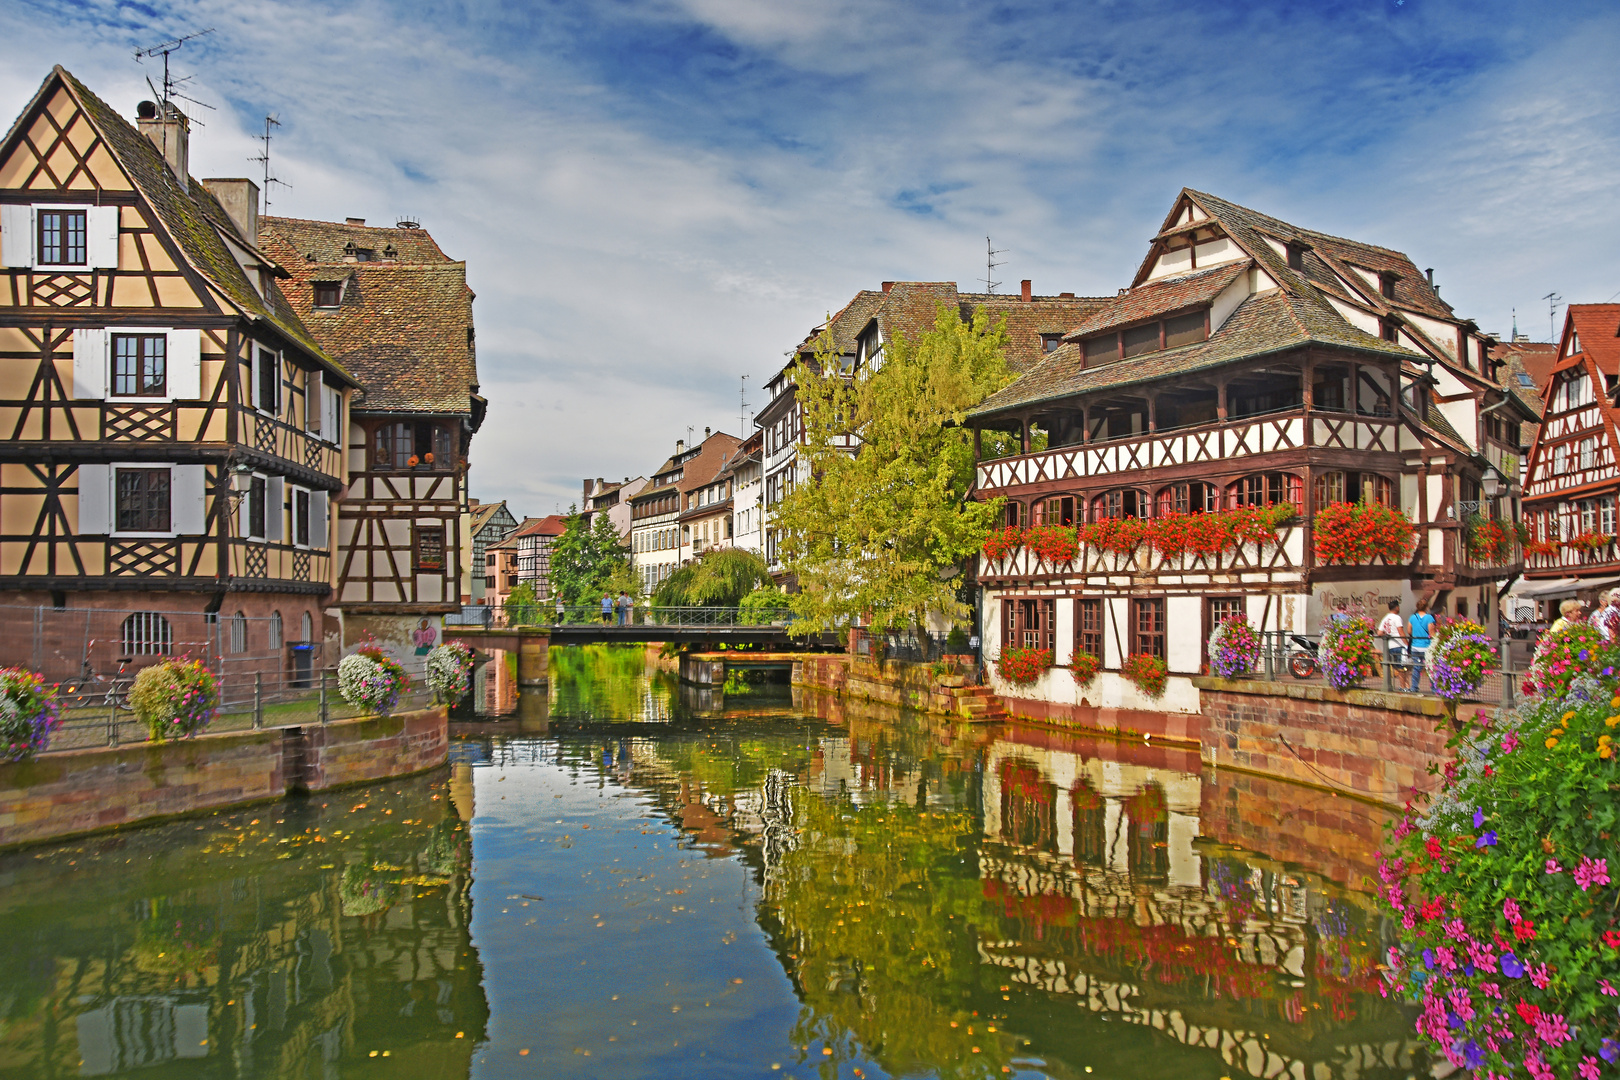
<point>82,791</point>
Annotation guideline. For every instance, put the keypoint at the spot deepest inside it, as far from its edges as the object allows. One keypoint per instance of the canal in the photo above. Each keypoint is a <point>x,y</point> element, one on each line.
<point>631,878</point>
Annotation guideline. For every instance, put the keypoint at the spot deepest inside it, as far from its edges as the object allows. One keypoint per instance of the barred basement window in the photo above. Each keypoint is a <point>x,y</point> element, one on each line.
<point>239,633</point>
<point>275,629</point>
<point>145,633</point>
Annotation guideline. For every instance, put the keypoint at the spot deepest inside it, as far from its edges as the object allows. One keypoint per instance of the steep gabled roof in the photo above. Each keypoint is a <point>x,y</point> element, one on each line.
<point>1160,297</point>
<point>1599,328</point>
<point>304,240</point>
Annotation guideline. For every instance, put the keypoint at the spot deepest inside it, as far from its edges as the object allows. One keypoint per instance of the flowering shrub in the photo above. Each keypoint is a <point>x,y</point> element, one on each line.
<point>448,672</point>
<point>1003,542</point>
<point>175,699</point>
<point>1588,542</point>
<point>371,680</point>
<point>1459,658</point>
<point>1052,543</point>
<point>1234,648</point>
<point>1148,673</point>
<point>1021,667</point>
<point>1361,532</point>
<point>1346,653</point>
<point>1084,668</point>
<point>28,714</point>
<point>1510,941</point>
<point>1489,540</point>
<point>1561,656</point>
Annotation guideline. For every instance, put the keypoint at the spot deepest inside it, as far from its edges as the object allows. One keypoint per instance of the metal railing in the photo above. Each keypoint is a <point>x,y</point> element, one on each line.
<point>491,616</point>
<point>1290,657</point>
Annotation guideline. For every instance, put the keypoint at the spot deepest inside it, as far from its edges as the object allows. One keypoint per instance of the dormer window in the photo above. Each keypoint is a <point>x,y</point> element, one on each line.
<point>1188,328</point>
<point>1296,256</point>
<point>390,252</point>
<point>1388,330</point>
<point>328,294</point>
<point>1050,342</point>
<point>1386,284</point>
<point>353,252</point>
<point>869,350</point>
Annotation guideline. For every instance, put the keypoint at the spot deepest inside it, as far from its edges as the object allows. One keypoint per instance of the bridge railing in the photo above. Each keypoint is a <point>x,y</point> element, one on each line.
<point>491,616</point>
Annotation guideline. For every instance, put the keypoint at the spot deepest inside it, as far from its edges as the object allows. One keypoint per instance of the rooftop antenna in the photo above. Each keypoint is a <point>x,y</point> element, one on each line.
<point>264,159</point>
<point>1515,336</point>
<point>990,265</point>
<point>742,405</point>
<point>690,430</point>
<point>169,81</point>
<point>1553,300</point>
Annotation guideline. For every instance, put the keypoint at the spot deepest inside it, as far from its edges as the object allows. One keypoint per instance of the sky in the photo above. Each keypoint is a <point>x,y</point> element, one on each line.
<point>656,198</point>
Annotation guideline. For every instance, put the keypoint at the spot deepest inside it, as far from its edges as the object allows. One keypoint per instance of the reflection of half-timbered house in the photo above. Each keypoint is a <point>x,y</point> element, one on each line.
<point>1573,479</point>
<point>398,313</point>
<point>1250,363</point>
<point>170,426</point>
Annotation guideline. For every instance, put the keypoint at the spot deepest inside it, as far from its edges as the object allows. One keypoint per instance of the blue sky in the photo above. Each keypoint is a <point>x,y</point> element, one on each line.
<point>656,198</point>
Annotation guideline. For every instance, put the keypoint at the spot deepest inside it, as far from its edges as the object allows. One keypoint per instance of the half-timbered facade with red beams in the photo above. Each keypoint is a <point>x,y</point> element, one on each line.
<point>1250,363</point>
<point>1573,482</point>
<point>169,426</point>
<point>397,312</point>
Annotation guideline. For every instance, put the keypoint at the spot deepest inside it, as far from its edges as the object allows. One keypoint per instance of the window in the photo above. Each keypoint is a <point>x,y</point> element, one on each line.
<point>1055,511</point>
<point>300,513</point>
<point>62,237</point>
<point>269,378</point>
<point>1296,256</point>
<point>238,633</point>
<point>395,445</point>
<point>1267,489</point>
<point>275,629</point>
<point>140,365</point>
<point>145,633</point>
<point>257,495</point>
<point>1121,503</point>
<point>1141,339</point>
<point>143,500</point>
<point>1333,487</point>
<point>1222,608</point>
<point>1386,284</point>
<point>306,627</point>
<point>430,549</point>
<point>1147,627</point>
<point>1388,329</point>
<point>1100,350</point>
<point>328,294</point>
<point>1589,453</point>
<point>1030,623</point>
<point>1050,342</point>
<point>1088,627</point>
<point>1184,330</point>
<point>1015,513</point>
<point>1194,497</point>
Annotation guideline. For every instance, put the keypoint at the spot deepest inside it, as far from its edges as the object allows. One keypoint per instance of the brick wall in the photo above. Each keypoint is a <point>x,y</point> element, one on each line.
<point>1335,836</point>
<point>81,791</point>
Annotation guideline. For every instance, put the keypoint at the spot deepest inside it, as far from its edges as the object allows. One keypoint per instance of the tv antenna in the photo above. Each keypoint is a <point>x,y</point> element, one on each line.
<point>170,82</point>
<point>742,406</point>
<point>1553,300</point>
<point>264,159</point>
<point>990,265</point>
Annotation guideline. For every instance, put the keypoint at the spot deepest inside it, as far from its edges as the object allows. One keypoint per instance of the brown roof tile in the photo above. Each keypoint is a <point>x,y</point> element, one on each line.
<point>1160,297</point>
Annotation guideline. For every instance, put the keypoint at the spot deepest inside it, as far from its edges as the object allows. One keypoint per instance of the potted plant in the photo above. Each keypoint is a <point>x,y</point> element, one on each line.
<point>1234,648</point>
<point>1148,673</point>
<point>175,699</point>
<point>1361,532</point>
<point>371,680</point>
<point>1347,653</point>
<point>448,671</point>
<point>1458,660</point>
<point>28,714</point>
<point>1084,668</point>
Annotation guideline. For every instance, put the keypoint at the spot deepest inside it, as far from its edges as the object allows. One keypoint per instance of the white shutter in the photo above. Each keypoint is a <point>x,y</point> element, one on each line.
<point>17,235</point>
<point>275,509</point>
<point>90,364</point>
<point>95,500</point>
<point>101,236</point>
<point>185,365</point>
<point>332,421</point>
<point>318,502</point>
<point>314,401</point>
<point>243,482</point>
<point>188,499</point>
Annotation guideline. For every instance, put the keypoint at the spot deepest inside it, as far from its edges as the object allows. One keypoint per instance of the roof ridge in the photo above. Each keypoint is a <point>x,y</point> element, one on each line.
<point>1291,225</point>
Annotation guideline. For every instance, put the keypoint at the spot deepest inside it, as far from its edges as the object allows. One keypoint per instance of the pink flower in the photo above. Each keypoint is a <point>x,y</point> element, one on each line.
<point>1589,1068</point>
<point>1539,977</point>
<point>1491,990</point>
<point>1510,909</point>
<point>1608,988</point>
<point>1591,872</point>
<point>1553,1029</point>
<point>1553,867</point>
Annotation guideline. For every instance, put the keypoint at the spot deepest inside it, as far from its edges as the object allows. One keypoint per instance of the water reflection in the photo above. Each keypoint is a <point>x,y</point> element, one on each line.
<point>293,940</point>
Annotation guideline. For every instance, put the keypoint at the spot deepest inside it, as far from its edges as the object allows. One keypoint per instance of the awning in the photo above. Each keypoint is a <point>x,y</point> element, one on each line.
<point>1559,587</point>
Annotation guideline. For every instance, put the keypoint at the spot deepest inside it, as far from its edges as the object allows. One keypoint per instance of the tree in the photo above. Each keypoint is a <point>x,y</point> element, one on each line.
<point>717,578</point>
<point>522,608</point>
<point>879,533</point>
<point>588,561</point>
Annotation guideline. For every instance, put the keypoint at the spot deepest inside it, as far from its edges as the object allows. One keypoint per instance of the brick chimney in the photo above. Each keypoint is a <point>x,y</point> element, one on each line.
<point>888,285</point>
<point>171,134</point>
<point>1026,290</point>
<point>354,221</point>
<point>240,198</point>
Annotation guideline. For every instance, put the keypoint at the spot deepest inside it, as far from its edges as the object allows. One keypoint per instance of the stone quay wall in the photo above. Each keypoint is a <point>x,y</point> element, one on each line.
<point>84,791</point>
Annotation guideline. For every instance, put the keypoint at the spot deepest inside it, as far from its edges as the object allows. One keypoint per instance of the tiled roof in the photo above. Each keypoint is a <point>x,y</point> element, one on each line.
<point>1534,358</point>
<point>303,240</point>
<point>1599,328</point>
<point>192,217</point>
<point>1265,323</point>
<point>481,514</point>
<point>550,525</point>
<point>404,329</point>
<point>1160,297</point>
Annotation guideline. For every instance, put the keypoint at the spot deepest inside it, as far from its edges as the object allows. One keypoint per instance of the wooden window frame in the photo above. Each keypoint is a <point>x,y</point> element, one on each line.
<point>1090,637</point>
<point>1029,622</point>
<point>59,252</point>
<point>418,564</point>
<point>144,354</point>
<point>327,295</point>
<point>149,515</point>
<point>1153,640</point>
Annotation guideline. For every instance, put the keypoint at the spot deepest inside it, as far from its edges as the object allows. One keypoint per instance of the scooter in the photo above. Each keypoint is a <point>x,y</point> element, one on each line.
<point>1302,657</point>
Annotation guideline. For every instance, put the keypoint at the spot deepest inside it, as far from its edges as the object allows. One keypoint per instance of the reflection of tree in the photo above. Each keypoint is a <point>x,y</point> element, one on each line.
<point>608,682</point>
<point>879,914</point>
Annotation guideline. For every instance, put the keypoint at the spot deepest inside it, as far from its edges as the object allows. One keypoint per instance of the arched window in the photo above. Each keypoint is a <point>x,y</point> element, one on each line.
<point>275,629</point>
<point>1119,503</point>
<point>1332,487</point>
<point>146,633</point>
<point>307,628</point>
<point>1265,489</point>
<point>238,633</point>
<point>1015,513</point>
<point>1194,497</point>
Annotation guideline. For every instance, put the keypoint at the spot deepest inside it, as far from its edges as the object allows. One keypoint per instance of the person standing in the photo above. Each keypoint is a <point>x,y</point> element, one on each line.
<point>1570,611</point>
<point>1607,617</point>
<point>1393,633</point>
<point>1420,630</point>
<point>626,605</point>
<point>560,610</point>
<point>607,608</point>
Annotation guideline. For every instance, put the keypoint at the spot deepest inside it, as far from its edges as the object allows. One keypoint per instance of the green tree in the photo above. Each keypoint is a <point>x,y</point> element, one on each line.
<point>878,533</point>
<point>717,578</point>
<point>522,607</point>
<point>588,561</point>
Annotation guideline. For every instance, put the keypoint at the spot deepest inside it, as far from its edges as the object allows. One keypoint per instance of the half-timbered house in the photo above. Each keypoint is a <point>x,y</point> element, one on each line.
<point>1249,363</point>
<point>1573,482</point>
<point>170,445</point>
<point>488,523</point>
<point>397,312</point>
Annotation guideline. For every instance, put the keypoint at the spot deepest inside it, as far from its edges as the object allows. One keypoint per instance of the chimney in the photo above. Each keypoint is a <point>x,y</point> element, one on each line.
<point>705,433</point>
<point>1027,291</point>
<point>240,198</point>
<point>354,221</point>
<point>680,447</point>
<point>170,134</point>
<point>1429,273</point>
<point>1065,296</point>
<point>887,286</point>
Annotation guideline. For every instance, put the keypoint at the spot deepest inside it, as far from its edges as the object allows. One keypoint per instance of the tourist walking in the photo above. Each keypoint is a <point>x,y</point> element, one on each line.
<point>1607,617</point>
<point>1393,632</point>
<point>1420,630</point>
<point>560,611</point>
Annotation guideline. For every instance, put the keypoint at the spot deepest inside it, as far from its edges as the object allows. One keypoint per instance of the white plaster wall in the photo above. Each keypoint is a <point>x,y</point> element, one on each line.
<point>1064,631</point>
<point>1116,615</point>
<point>1229,300</point>
<point>1184,633</point>
<point>1215,252</point>
<point>1443,334</point>
<point>1172,262</point>
<point>1436,491</point>
<point>1361,320</point>
<point>1437,546</point>
<point>1409,495</point>
<point>1108,690</point>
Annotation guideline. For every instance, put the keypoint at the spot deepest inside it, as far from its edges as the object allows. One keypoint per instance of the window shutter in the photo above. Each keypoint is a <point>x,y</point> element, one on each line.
<point>243,483</point>
<point>90,364</point>
<point>188,499</point>
<point>275,510</point>
<point>95,500</point>
<point>314,401</point>
<point>318,501</point>
<point>101,236</point>
<point>185,365</point>
<point>332,422</point>
<point>17,235</point>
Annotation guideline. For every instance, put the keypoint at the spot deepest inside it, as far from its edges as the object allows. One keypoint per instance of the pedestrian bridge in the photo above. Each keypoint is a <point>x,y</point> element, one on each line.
<point>494,628</point>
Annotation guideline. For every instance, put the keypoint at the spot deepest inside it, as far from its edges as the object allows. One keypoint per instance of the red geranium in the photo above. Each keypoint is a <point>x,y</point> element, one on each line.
<point>1361,532</point>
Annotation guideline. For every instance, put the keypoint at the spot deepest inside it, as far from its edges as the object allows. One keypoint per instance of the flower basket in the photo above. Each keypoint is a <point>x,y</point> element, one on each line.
<point>1458,659</point>
<point>1118,536</point>
<point>1347,653</point>
<point>1562,656</point>
<point>1543,548</point>
<point>28,714</point>
<point>1003,542</point>
<point>1360,532</point>
<point>1052,543</point>
<point>1084,668</point>
<point>1148,673</point>
<point>448,672</point>
<point>1588,542</point>
<point>175,699</point>
<point>1234,648</point>
<point>371,680</point>
<point>1490,541</point>
<point>1022,667</point>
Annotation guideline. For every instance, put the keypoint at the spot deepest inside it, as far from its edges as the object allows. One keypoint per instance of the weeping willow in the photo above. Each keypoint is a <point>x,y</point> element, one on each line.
<point>714,579</point>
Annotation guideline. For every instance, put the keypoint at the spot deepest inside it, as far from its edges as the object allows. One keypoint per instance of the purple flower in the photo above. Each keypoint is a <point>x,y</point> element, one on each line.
<point>1610,1050</point>
<point>1479,816</point>
<point>1488,839</point>
<point>1511,966</point>
<point>1428,959</point>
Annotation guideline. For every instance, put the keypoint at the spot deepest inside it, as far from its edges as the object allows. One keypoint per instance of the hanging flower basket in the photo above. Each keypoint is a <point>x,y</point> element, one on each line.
<point>1560,657</point>
<point>28,714</point>
<point>1148,673</point>
<point>1490,541</point>
<point>1022,667</point>
<point>1234,648</point>
<point>1118,536</point>
<point>1458,659</point>
<point>175,699</point>
<point>1351,533</point>
<point>1084,668</point>
<point>1543,548</point>
<point>449,672</point>
<point>371,680</point>
<point>1588,542</point>
<point>1347,653</point>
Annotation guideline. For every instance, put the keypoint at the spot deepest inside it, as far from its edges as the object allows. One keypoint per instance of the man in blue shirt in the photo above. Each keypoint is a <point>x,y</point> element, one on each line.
<point>1421,627</point>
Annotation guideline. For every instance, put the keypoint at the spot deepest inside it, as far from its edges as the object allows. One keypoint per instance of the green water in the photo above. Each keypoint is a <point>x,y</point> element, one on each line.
<point>635,879</point>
